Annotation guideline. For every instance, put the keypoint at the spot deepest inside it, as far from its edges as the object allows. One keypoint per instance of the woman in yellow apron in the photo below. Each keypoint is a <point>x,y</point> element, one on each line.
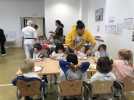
<point>79,36</point>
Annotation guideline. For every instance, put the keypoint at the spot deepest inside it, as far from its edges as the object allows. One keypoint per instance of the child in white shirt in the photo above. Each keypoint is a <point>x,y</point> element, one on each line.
<point>37,54</point>
<point>84,52</point>
<point>58,53</point>
<point>28,74</point>
<point>104,70</point>
<point>102,51</point>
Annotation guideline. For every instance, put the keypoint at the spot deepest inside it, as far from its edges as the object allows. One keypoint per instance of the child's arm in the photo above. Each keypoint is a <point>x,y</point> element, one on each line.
<point>64,65</point>
<point>14,81</point>
<point>84,66</point>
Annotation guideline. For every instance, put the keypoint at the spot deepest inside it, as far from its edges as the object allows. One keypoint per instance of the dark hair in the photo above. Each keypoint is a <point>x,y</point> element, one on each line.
<point>72,58</point>
<point>37,46</point>
<point>87,47</point>
<point>59,23</point>
<point>104,65</point>
<point>102,46</point>
<point>69,50</point>
<point>80,25</point>
<point>59,47</point>
<point>36,26</point>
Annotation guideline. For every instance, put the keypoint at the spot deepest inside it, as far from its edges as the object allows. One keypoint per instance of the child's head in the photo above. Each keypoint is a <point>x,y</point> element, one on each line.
<point>27,66</point>
<point>85,49</point>
<point>59,48</point>
<point>102,47</point>
<point>127,55</point>
<point>72,58</point>
<point>37,47</point>
<point>36,27</point>
<point>69,50</point>
<point>104,65</point>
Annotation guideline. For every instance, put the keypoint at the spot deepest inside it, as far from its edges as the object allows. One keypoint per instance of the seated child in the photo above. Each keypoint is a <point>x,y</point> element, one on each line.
<point>104,70</point>
<point>27,70</point>
<point>27,74</point>
<point>38,53</point>
<point>72,70</point>
<point>44,43</point>
<point>123,66</point>
<point>102,51</point>
<point>84,52</point>
<point>58,53</point>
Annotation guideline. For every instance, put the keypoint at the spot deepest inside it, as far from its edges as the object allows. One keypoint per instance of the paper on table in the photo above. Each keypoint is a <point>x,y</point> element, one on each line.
<point>93,66</point>
<point>37,68</point>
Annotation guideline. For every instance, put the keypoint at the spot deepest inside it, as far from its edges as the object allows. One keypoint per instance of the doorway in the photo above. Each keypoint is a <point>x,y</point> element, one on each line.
<point>40,21</point>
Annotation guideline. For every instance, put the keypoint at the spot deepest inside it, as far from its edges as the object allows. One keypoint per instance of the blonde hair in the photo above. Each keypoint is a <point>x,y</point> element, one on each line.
<point>27,66</point>
<point>126,55</point>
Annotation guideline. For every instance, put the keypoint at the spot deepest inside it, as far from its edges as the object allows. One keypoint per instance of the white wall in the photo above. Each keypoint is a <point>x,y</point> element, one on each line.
<point>12,10</point>
<point>93,5</point>
<point>119,9</point>
<point>68,11</point>
<point>85,11</point>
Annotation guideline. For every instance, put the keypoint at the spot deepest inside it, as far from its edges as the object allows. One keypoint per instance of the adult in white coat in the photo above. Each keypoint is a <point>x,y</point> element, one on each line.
<point>30,36</point>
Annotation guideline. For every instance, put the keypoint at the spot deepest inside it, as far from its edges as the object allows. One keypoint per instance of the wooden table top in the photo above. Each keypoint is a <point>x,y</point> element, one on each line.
<point>51,66</point>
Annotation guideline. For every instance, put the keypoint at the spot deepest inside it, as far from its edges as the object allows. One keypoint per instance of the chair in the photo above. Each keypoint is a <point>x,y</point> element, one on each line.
<point>29,88</point>
<point>70,88</point>
<point>101,88</point>
<point>129,88</point>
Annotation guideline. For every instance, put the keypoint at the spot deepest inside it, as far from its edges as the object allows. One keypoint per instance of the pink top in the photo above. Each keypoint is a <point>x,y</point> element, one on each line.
<point>122,70</point>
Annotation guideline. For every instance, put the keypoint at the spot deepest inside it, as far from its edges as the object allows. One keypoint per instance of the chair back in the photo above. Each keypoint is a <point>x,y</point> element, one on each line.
<point>128,84</point>
<point>70,88</point>
<point>101,87</point>
<point>29,88</point>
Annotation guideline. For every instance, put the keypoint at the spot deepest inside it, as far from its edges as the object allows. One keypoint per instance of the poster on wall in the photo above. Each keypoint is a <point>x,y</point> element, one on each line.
<point>111,29</point>
<point>99,14</point>
<point>129,23</point>
<point>111,26</point>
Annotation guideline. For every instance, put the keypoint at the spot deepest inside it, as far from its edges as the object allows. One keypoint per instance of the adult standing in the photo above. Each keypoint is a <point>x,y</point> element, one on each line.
<point>2,42</point>
<point>79,36</point>
<point>30,36</point>
<point>58,34</point>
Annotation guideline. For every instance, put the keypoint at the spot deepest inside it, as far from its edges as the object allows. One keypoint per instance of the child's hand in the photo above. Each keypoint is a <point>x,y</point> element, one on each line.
<point>72,65</point>
<point>78,66</point>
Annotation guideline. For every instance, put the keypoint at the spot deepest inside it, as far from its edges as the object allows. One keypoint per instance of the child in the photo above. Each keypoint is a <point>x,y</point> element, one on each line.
<point>102,51</point>
<point>84,52</point>
<point>37,54</point>
<point>27,69</point>
<point>27,75</point>
<point>123,66</point>
<point>72,70</point>
<point>104,70</point>
<point>58,53</point>
<point>45,46</point>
